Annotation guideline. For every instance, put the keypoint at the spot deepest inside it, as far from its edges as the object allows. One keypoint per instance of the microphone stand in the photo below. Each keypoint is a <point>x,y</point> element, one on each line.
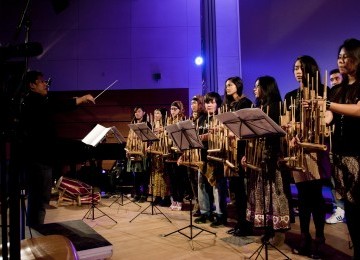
<point>11,165</point>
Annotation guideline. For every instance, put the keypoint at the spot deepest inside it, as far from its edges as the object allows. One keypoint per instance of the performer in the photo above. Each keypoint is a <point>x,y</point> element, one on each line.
<point>338,215</point>
<point>233,101</point>
<point>198,116</point>
<point>214,172</point>
<point>309,182</point>
<point>277,219</point>
<point>136,163</point>
<point>345,108</point>
<point>40,141</point>
<point>160,179</point>
<point>178,176</point>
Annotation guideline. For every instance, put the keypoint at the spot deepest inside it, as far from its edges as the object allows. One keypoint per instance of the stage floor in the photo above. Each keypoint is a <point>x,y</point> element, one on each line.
<point>144,236</point>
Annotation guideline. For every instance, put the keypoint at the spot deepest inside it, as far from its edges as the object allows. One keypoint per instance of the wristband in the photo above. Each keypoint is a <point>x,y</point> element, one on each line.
<point>328,103</point>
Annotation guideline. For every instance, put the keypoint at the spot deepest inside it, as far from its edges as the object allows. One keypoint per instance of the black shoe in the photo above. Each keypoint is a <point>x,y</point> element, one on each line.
<point>218,221</point>
<point>142,199</point>
<point>318,244</point>
<point>136,198</point>
<point>232,231</point>
<point>201,220</point>
<point>243,232</point>
<point>305,246</point>
<point>157,200</point>
<point>196,213</point>
<point>165,202</point>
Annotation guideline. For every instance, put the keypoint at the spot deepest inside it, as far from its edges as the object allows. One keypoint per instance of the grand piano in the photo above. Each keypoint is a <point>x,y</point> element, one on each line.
<point>74,158</point>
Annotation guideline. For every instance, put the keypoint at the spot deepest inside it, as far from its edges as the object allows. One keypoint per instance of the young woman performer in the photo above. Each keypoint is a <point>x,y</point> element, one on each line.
<point>309,182</point>
<point>271,186</point>
<point>198,116</point>
<point>214,171</point>
<point>345,106</point>
<point>178,174</point>
<point>159,179</point>
<point>137,163</point>
<point>235,100</point>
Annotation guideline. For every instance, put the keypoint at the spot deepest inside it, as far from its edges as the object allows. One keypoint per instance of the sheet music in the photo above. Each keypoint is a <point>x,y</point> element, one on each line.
<point>98,133</point>
<point>184,135</point>
<point>250,123</point>
<point>143,132</point>
<point>118,135</point>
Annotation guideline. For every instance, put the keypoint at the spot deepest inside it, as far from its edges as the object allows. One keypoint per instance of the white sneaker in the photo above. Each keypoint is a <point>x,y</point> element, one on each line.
<point>337,217</point>
<point>173,205</point>
<point>179,206</point>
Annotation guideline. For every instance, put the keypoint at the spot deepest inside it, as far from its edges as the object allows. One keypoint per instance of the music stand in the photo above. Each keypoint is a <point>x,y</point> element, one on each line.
<point>92,139</point>
<point>146,135</point>
<point>185,137</point>
<point>254,123</point>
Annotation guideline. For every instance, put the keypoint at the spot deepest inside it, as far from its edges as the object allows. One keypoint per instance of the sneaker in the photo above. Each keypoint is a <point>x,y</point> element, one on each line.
<point>173,205</point>
<point>337,217</point>
<point>178,206</point>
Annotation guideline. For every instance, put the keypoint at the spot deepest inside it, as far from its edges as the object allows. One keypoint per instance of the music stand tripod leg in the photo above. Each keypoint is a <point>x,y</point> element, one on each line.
<point>191,226</point>
<point>121,196</point>
<point>91,211</point>
<point>265,240</point>
<point>153,212</point>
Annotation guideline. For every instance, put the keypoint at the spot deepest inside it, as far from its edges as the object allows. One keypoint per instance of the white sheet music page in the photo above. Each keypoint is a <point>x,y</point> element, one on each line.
<point>96,135</point>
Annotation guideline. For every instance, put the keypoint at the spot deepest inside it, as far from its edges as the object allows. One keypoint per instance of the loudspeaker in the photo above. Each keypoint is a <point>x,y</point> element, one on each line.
<point>156,76</point>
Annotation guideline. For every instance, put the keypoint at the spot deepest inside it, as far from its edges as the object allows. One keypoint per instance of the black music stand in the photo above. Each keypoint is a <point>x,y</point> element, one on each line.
<point>146,135</point>
<point>254,123</point>
<point>185,137</point>
<point>92,139</point>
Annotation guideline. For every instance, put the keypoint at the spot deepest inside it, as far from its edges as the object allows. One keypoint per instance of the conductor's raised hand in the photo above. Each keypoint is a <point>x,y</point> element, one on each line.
<point>85,99</point>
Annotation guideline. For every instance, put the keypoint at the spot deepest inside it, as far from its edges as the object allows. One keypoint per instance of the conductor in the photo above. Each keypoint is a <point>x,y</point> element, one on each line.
<point>39,139</point>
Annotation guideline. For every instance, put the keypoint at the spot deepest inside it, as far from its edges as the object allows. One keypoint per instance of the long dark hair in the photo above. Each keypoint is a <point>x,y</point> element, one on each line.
<point>228,99</point>
<point>143,119</point>
<point>310,70</point>
<point>352,48</point>
<point>269,91</point>
<point>213,96</point>
<point>311,73</point>
<point>343,94</point>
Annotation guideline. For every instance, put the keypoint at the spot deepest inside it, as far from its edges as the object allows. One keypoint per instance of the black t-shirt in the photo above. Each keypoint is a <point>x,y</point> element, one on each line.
<point>38,126</point>
<point>234,106</point>
<point>346,138</point>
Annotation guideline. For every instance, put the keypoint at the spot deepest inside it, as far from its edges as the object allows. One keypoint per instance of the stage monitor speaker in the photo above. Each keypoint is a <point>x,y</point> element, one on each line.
<point>88,243</point>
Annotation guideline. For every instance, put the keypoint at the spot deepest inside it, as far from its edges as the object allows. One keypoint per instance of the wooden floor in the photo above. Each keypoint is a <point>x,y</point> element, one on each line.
<point>144,238</point>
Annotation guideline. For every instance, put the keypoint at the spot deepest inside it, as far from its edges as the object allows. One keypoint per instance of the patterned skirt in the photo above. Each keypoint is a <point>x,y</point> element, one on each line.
<point>276,202</point>
<point>346,176</point>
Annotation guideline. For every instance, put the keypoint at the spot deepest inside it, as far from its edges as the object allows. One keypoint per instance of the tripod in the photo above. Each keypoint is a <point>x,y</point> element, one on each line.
<point>146,135</point>
<point>93,138</point>
<point>121,196</point>
<point>185,137</point>
<point>90,214</point>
